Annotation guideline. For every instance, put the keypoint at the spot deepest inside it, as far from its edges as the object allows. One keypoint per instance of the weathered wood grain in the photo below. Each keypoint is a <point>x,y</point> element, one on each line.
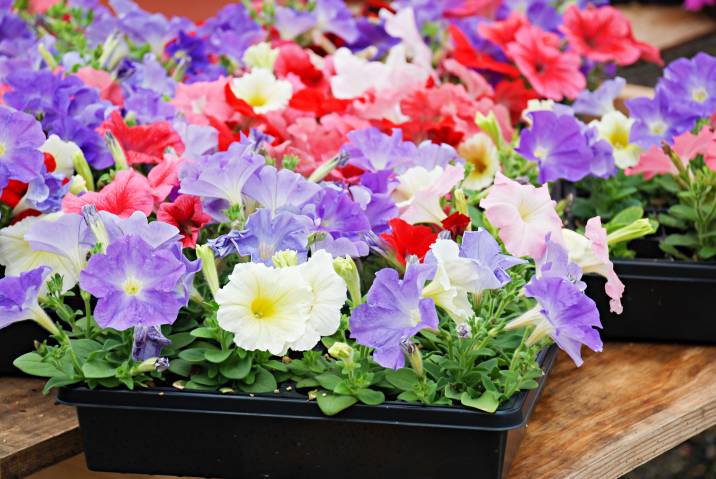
<point>667,26</point>
<point>622,408</point>
<point>33,432</point>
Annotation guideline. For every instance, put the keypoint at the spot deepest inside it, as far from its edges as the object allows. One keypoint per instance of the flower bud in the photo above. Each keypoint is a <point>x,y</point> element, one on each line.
<point>83,169</point>
<point>461,202</point>
<point>489,125</point>
<point>325,169</point>
<point>285,258</point>
<point>161,364</point>
<point>341,351</point>
<point>414,356</point>
<point>208,267</point>
<point>78,185</point>
<point>43,319</point>
<point>120,159</point>
<point>47,56</point>
<point>96,225</point>
<point>347,269</point>
<point>464,331</point>
<point>637,229</point>
<point>261,55</point>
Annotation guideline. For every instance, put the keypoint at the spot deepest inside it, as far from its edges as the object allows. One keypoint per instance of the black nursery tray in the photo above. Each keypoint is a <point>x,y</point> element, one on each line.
<point>16,340</point>
<point>664,300</point>
<point>165,431</point>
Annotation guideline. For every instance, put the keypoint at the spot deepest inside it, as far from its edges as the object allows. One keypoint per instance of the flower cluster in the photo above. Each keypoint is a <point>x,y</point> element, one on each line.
<point>349,181</point>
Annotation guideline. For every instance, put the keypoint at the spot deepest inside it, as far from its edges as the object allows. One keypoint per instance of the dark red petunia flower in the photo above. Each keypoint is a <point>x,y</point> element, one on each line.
<point>406,239</point>
<point>143,143</point>
<point>187,214</point>
<point>456,224</point>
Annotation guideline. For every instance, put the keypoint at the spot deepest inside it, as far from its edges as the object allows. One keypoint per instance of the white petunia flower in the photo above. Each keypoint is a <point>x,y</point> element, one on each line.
<point>419,192</point>
<point>64,153</point>
<point>261,55</point>
<point>267,309</point>
<point>262,90</point>
<point>328,295</point>
<point>614,127</point>
<point>454,278</point>
<point>480,152</point>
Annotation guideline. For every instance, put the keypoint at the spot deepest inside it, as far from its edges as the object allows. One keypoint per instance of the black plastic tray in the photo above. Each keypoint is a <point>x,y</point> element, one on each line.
<point>16,340</point>
<point>165,431</point>
<point>664,300</point>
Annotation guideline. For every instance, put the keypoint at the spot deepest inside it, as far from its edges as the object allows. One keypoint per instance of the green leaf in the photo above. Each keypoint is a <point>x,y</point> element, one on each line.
<point>206,333</point>
<point>181,340</point>
<point>408,396</point>
<point>58,382</point>
<point>488,402</point>
<point>707,252</point>
<point>98,369</point>
<point>371,397</point>
<point>328,380</point>
<point>275,365</point>
<point>404,379</point>
<point>307,383</point>
<point>83,347</point>
<point>193,355</point>
<point>343,388</point>
<point>236,368</point>
<point>217,355</point>
<point>330,404</point>
<point>683,212</point>
<point>452,393</point>
<point>625,217</point>
<point>180,367</point>
<point>264,382</point>
<point>33,364</point>
<point>688,240</point>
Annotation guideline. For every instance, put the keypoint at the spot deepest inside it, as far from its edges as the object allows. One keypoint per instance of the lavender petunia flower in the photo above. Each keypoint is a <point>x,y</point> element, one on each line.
<point>134,283</point>
<point>690,84</point>
<point>372,35</point>
<point>291,23</point>
<point>602,163</point>
<point>20,137</point>
<point>45,192</point>
<point>484,250</point>
<point>200,140</point>
<point>394,312</point>
<point>374,196</point>
<point>150,75</point>
<point>231,31</point>
<point>429,155</point>
<point>191,49</point>
<point>221,176</point>
<point>18,295</point>
<point>570,314</point>
<point>266,235</point>
<point>279,190</point>
<point>557,144</point>
<point>657,120</point>
<point>148,106</point>
<point>555,263</point>
<point>600,101</point>
<point>372,150</point>
<point>148,342</point>
<point>334,17</point>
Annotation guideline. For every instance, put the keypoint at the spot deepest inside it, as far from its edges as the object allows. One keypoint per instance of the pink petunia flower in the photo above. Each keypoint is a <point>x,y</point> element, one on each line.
<point>129,192</point>
<point>552,73</point>
<point>163,178</point>
<point>523,214</point>
<point>102,81</point>
<point>200,100</point>
<point>687,145</point>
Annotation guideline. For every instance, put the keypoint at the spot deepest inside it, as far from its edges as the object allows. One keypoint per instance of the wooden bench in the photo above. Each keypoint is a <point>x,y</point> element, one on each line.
<point>624,407</point>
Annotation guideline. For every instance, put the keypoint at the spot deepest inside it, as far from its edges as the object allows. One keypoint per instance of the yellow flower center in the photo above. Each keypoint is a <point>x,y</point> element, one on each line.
<point>262,307</point>
<point>699,94</point>
<point>541,153</point>
<point>132,286</point>
<point>414,317</point>
<point>657,127</point>
<point>619,137</point>
<point>2,150</point>
<point>257,99</point>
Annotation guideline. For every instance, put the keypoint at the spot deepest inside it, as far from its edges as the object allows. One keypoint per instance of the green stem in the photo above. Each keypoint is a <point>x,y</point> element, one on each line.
<point>519,349</point>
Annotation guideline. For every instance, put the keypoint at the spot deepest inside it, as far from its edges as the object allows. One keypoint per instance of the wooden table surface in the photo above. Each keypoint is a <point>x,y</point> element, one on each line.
<point>624,407</point>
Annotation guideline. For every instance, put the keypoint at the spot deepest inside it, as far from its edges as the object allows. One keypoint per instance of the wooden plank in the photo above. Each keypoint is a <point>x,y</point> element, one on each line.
<point>667,26</point>
<point>33,432</point>
<point>624,407</point>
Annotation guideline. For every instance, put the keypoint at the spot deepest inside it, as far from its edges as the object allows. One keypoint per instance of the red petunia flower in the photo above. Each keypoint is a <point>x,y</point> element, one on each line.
<point>604,34</point>
<point>143,143</point>
<point>466,54</point>
<point>187,214</point>
<point>552,73</point>
<point>406,239</point>
<point>292,59</point>
<point>514,96</point>
<point>129,192</point>
<point>456,224</point>
<point>503,33</point>
<point>318,101</point>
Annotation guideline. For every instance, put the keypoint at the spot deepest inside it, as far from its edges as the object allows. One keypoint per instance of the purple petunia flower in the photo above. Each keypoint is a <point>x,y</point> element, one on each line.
<point>539,13</point>
<point>372,35</point>
<point>570,314</point>
<point>221,176</point>
<point>555,263</point>
<point>600,101</point>
<point>332,16</point>
<point>135,284</point>
<point>484,250</point>
<point>200,140</point>
<point>18,295</point>
<point>45,192</point>
<point>266,235</point>
<point>279,190</point>
<point>557,144</point>
<point>602,163</point>
<point>690,84</point>
<point>148,106</point>
<point>374,196</point>
<point>20,137</point>
<point>231,31</point>
<point>291,23</point>
<point>148,342</point>
<point>656,119</point>
<point>372,150</point>
<point>335,213</point>
<point>393,313</point>
<point>191,49</point>
<point>429,155</point>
